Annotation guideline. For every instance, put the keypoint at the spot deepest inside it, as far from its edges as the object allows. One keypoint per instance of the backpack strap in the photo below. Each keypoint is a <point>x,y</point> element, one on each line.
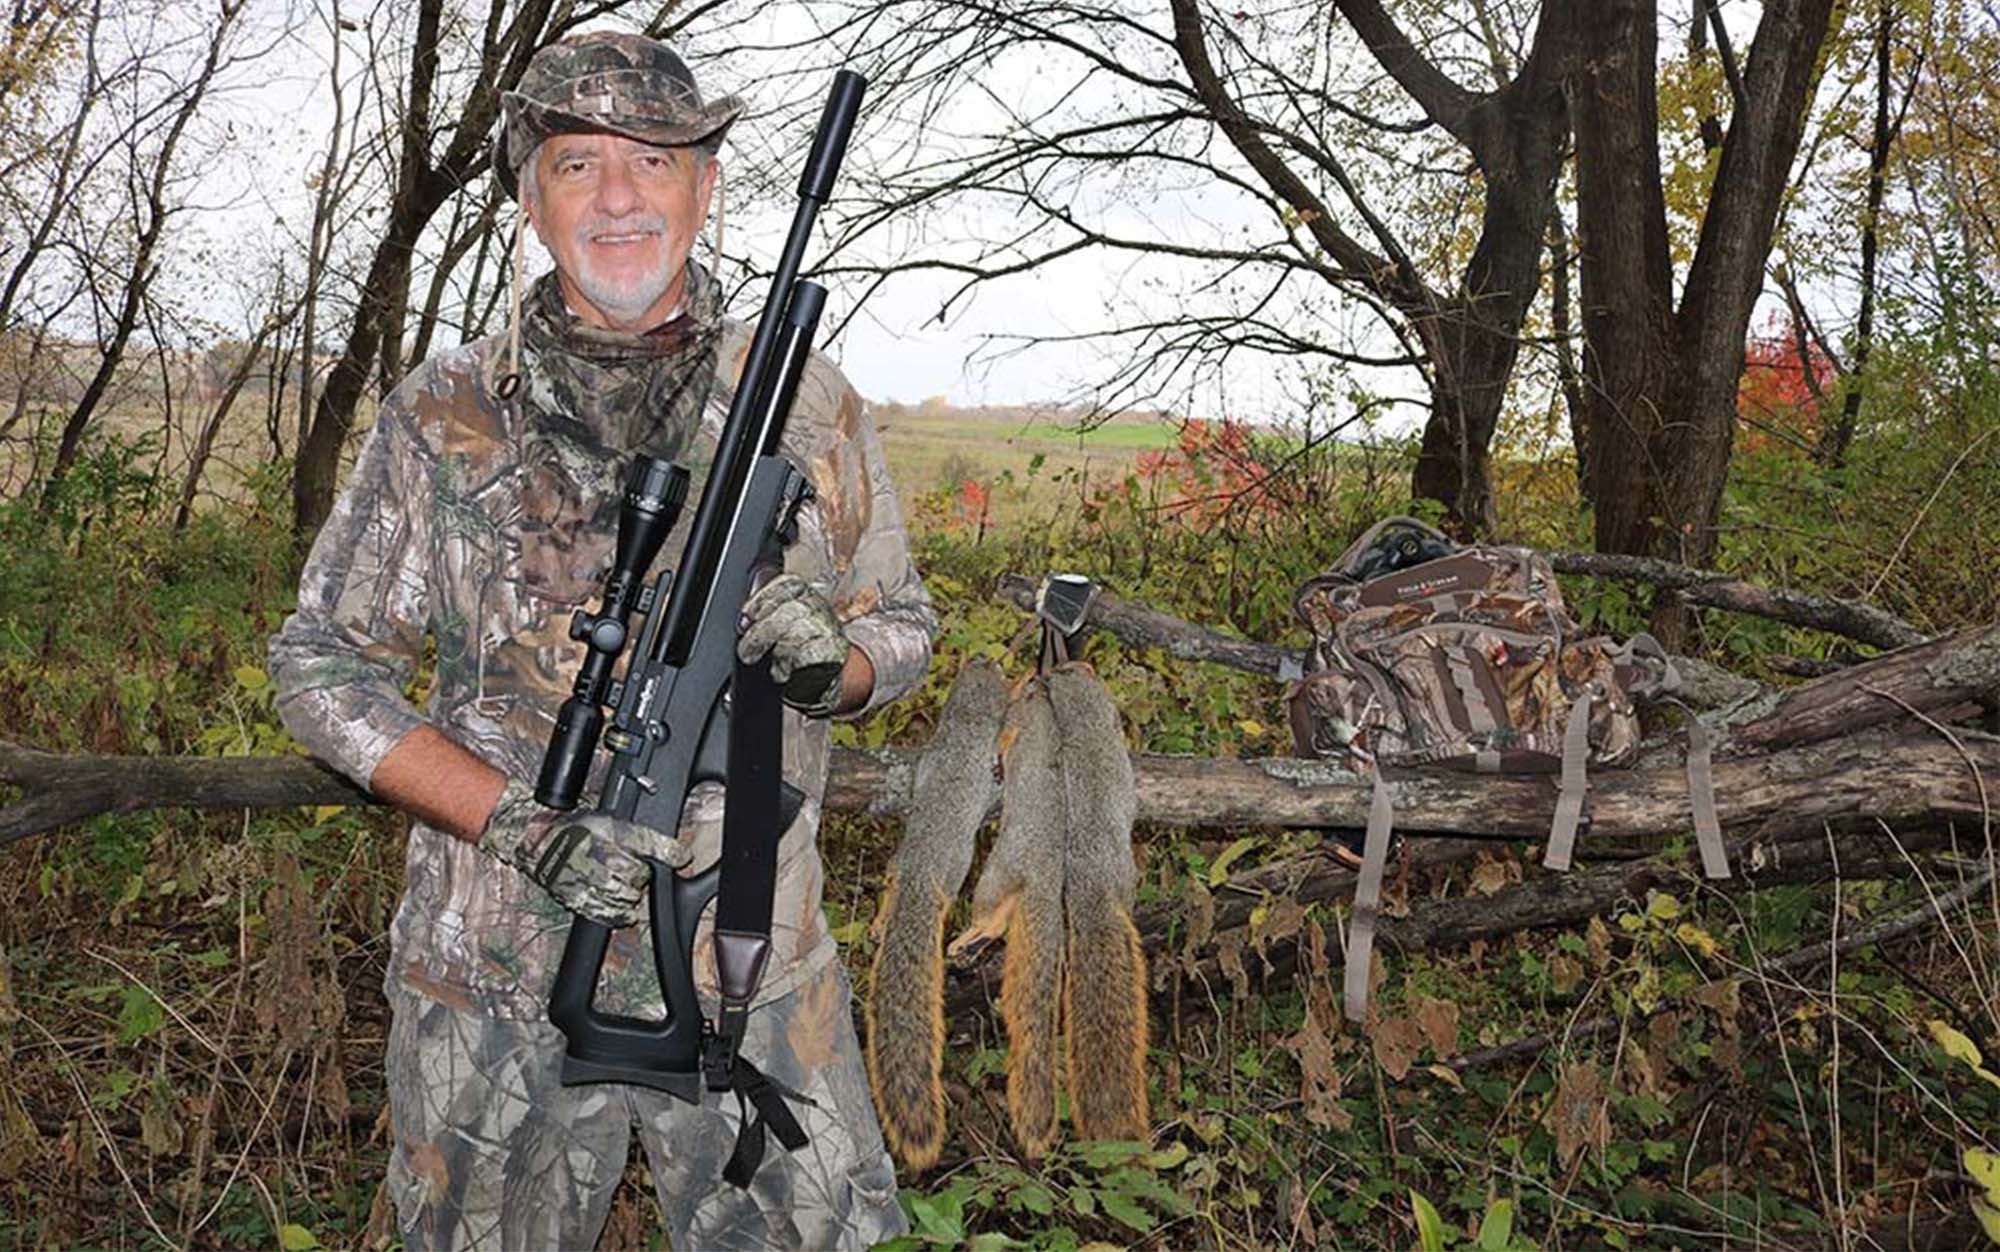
<point>1701,796</point>
<point>1368,898</point>
<point>1700,756</point>
<point>1575,783</point>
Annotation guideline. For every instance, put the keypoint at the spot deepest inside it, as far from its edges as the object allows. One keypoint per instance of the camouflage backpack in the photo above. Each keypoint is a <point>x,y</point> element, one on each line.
<point>1429,654</point>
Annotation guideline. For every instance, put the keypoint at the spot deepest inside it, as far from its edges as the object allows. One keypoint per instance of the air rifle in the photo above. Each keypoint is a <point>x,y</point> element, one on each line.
<point>687,711</point>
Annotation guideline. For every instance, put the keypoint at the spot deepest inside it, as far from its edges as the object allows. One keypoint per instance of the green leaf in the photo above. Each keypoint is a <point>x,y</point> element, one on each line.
<point>1169,1157</point>
<point>1496,1229</point>
<point>296,1238</point>
<point>1105,1153</point>
<point>1955,1044</point>
<point>253,679</point>
<point>117,1085</point>
<point>1126,1209</point>
<point>1218,872</point>
<point>1989,1218</point>
<point>1036,1199</point>
<point>933,1222</point>
<point>139,1016</point>
<point>1083,1201</point>
<point>1430,1227</point>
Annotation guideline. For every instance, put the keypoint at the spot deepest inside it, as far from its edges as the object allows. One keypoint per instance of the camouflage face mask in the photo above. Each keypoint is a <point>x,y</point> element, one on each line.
<point>631,392</point>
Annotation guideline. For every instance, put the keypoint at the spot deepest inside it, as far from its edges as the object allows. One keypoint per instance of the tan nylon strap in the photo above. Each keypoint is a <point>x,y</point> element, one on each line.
<point>1701,795</point>
<point>1575,783</point>
<point>1367,900</point>
<point>1476,708</point>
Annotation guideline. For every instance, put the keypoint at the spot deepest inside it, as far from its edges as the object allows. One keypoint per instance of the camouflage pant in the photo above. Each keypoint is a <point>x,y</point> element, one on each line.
<point>492,1151</point>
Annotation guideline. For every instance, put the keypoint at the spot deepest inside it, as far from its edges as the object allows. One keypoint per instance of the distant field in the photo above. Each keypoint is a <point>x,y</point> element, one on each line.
<point>930,450</point>
<point>929,447</point>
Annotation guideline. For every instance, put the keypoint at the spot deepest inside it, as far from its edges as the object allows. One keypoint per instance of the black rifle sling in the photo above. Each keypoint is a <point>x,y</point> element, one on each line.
<point>753,820</point>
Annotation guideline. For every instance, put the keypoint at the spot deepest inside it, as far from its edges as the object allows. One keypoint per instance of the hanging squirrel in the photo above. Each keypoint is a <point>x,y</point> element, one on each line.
<point>954,788</point>
<point>1104,994</point>
<point>1020,895</point>
<point>1059,885</point>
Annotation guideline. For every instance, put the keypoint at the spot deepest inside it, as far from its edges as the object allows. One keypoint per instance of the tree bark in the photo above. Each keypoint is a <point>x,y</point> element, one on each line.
<point>1627,275</point>
<point>1663,411</point>
<point>1885,774</point>
<point>1850,618</point>
<point>422,187</point>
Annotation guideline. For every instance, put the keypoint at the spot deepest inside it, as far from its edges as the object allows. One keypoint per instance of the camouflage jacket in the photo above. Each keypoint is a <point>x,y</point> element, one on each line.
<point>485,523</point>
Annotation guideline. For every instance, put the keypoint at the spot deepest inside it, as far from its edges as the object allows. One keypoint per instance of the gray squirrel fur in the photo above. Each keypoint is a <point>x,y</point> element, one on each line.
<point>954,789</point>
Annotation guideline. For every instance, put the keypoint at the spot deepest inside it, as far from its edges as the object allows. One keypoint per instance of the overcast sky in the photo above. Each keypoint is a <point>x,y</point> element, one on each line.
<point>895,348</point>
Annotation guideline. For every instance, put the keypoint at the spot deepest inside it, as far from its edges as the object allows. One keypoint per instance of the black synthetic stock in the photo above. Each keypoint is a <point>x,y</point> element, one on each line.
<point>674,725</point>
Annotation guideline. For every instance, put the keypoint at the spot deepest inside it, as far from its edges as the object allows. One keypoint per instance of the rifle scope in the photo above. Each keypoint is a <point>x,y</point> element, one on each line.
<point>654,493</point>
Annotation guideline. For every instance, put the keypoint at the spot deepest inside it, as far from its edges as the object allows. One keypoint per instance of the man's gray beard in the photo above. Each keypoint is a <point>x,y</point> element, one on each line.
<point>627,299</point>
<point>633,296</point>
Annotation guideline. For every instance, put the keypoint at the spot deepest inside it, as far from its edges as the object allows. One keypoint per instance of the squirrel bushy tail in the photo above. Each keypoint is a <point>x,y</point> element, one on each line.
<point>1104,991</point>
<point>954,788</point>
<point>1020,895</point>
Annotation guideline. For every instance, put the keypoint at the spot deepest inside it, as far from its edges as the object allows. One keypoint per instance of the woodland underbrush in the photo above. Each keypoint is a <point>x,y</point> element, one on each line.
<point>191,1023</point>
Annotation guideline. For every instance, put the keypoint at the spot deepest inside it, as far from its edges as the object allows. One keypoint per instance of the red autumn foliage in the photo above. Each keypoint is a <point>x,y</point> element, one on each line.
<point>1213,468</point>
<point>1776,392</point>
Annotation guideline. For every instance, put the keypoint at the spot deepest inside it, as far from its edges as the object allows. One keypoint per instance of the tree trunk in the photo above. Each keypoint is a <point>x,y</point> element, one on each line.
<point>382,293</point>
<point>1836,438</point>
<point>1663,409</point>
<point>1627,277</point>
<point>422,187</point>
<point>1516,135</point>
<point>205,443</point>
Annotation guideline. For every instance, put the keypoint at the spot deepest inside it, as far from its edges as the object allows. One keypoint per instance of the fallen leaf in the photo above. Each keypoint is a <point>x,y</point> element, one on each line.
<point>1229,955</point>
<point>1598,937</point>
<point>1396,1041</point>
<point>1438,1019</point>
<point>1218,869</point>
<point>1282,921</point>
<point>1446,1074</point>
<point>1578,1116</point>
<point>1319,1080</point>
<point>1488,878</point>
<point>1723,997</point>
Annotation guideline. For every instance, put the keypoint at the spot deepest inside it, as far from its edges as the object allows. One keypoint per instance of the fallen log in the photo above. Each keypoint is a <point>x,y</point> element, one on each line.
<point>1944,678</point>
<point>1715,589</point>
<point>1152,628</point>
<point>1884,775</point>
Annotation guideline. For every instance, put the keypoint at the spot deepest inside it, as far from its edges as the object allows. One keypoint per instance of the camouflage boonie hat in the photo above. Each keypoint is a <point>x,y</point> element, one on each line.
<point>611,83</point>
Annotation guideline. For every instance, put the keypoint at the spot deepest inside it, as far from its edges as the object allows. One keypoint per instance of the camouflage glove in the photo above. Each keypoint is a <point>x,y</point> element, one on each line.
<point>590,864</point>
<point>796,626</point>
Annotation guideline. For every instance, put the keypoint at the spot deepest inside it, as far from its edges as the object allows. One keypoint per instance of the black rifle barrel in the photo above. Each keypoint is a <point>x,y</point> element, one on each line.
<point>742,437</point>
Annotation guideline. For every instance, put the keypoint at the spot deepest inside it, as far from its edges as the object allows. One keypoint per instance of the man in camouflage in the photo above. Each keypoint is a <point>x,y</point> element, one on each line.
<point>482,512</point>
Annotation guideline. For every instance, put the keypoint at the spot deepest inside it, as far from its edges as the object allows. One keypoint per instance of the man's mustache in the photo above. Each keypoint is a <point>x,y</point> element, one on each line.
<point>632,224</point>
